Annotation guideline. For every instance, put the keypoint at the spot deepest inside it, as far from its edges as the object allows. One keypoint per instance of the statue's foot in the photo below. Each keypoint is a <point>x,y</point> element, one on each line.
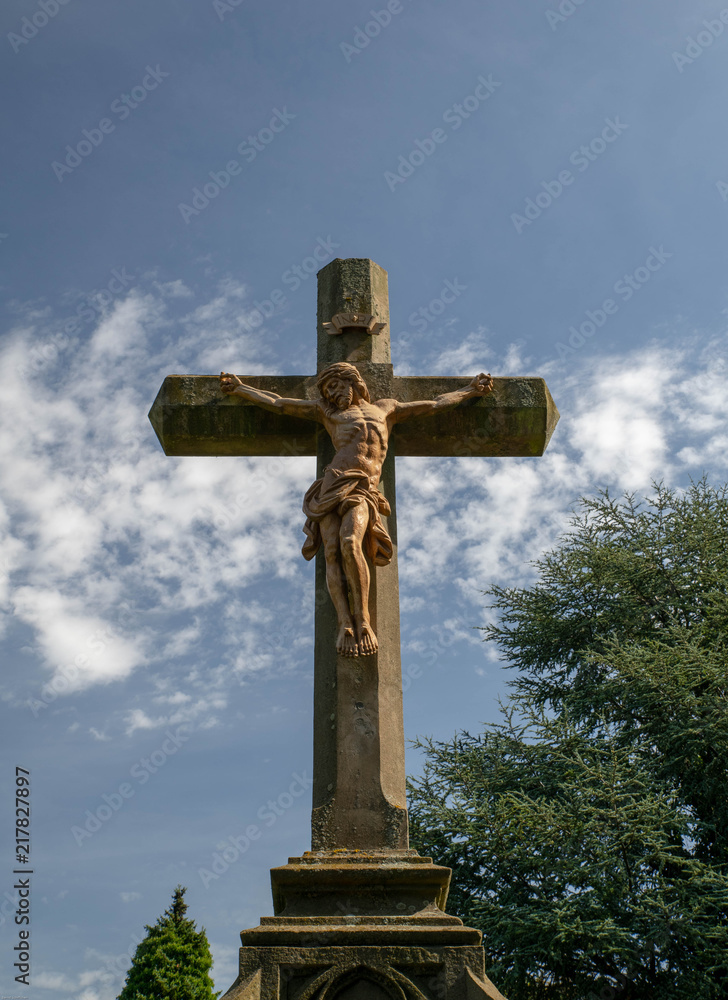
<point>368,644</point>
<point>346,644</point>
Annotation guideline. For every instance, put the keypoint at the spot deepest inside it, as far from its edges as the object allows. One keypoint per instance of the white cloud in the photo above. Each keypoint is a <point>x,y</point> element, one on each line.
<point>53,981</point>
<point>465,357</point>
<point>138,719</point>
<point>174,289</point>
<point>100,983</point>
<point>621,427</point>
<point>181,641</point>
<point>95,521</point>
<point>199,708</point>
<point>225,964</point>
<point>123,332</point>
<point>81,649</point>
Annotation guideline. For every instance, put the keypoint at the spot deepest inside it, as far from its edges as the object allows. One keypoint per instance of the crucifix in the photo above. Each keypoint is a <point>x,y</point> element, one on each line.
<point>343,507</point>
<point>355,415</point>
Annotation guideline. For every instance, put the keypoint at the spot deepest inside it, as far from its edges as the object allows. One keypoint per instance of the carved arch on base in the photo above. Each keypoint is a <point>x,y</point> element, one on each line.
<point>334,984</point>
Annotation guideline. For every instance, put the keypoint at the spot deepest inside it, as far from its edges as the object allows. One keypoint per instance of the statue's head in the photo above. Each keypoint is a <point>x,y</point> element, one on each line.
<point>339,382</point>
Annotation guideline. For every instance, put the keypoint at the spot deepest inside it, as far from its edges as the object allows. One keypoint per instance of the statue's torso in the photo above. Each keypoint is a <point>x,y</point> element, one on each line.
<point>360,434</point>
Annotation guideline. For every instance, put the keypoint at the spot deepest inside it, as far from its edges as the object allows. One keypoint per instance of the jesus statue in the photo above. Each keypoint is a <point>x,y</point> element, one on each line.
<point>344,508</point>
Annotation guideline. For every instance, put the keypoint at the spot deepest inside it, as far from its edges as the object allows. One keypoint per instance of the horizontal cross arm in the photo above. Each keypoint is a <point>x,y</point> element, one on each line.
<point>192,417</point>
<point>515,420</point>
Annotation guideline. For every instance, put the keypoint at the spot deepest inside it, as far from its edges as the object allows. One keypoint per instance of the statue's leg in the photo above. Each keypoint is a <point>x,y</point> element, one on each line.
<point>346,641</point>
<point>354,524</point>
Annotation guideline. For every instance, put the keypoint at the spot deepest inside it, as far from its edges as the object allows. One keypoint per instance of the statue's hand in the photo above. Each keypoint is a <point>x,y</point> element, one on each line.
<point>229,383</point>
<point>481,384</point>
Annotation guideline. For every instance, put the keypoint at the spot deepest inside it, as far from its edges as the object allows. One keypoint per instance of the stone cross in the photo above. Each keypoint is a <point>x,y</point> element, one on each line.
<point>359,776</point>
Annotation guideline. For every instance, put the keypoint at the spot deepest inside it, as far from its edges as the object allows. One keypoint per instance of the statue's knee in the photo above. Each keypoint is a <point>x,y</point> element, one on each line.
<point>348,545</point>
<point>331,551</point>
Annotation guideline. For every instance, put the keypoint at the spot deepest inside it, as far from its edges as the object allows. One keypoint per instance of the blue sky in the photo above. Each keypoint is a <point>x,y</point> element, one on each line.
<point>564,164</point>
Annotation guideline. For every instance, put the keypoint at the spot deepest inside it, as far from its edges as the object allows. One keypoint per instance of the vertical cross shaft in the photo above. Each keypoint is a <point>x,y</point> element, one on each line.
<point>359,777</point>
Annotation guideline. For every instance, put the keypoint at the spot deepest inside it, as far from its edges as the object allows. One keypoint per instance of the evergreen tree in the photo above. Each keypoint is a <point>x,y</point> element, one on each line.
<point>629,623</point>
<point>588,832</point>
<point>173,961</point>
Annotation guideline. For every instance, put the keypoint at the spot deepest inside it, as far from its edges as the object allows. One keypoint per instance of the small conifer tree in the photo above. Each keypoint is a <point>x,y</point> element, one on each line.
<point>173,961</point>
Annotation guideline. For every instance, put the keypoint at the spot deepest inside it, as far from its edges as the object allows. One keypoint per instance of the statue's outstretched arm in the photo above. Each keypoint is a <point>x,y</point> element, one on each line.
<point>231,385</point>
<point>480,385</point>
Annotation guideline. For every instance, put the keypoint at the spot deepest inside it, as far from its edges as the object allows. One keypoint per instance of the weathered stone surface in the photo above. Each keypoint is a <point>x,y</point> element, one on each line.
<point>355,285</point>
<point>361,925</point>
<point>191,417</point>
<point>515,420</point>
<point>323,971</point>
<point>367,884</point>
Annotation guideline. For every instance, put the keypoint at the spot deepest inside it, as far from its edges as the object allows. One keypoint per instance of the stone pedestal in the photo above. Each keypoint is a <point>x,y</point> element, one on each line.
<point>354,925</point>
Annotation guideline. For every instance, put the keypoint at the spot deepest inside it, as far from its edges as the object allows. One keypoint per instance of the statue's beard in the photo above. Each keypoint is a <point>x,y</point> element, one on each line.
<point>343,400</point>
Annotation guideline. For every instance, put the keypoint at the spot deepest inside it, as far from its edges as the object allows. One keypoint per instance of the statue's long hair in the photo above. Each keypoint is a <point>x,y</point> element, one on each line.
<point>342,369</point>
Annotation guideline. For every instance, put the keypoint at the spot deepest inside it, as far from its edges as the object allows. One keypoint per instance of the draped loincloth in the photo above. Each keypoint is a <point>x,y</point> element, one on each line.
<point>337,492</point>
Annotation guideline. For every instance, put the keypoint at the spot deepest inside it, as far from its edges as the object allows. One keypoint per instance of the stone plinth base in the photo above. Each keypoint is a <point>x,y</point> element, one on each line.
<point>362,973</point>
<point>359,883</point>
<point>358,926</point>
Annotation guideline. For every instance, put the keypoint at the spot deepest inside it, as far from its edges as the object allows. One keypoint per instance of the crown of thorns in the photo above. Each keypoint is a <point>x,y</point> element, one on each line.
<point>342,369</point>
